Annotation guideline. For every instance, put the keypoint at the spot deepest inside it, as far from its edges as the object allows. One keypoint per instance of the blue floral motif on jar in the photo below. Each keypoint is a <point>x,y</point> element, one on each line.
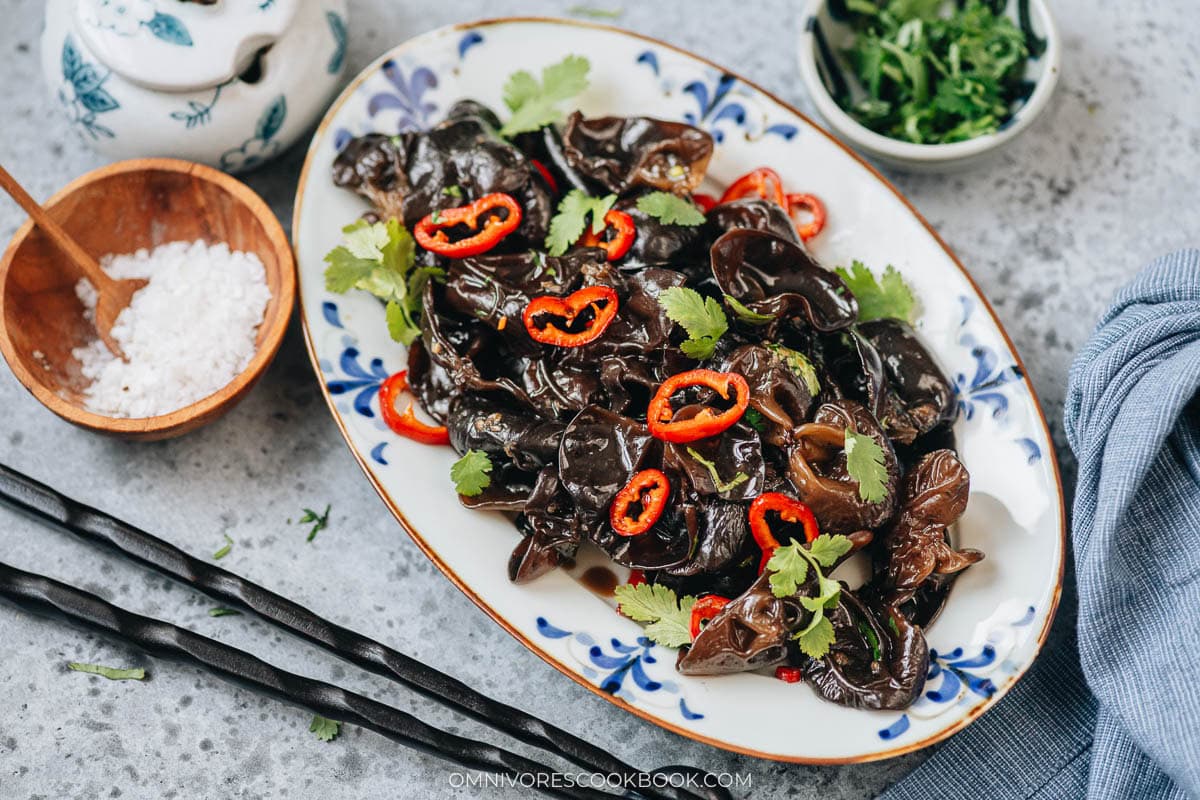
<point>621,669</point>
<point>82,92</point>
<point>130,17</point>
<point>262,145</point>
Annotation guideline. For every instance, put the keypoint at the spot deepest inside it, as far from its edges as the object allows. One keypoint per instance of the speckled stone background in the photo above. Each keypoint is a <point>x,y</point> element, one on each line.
<point>1105,182</point>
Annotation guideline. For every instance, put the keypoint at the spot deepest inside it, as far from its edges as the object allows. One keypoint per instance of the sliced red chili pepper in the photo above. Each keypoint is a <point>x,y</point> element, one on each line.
<point>407,424</point>
<point>660,415</point>
<point>569,308</point>
<point>621,224</point>
<point>813,205</point>
<point>649,489</point>
<point>705,609</point>
<point>636,577</point>
<point>547,176</point>
<point>763,182</point>
<point>705,201</point>
<point>430,232</point>
<point>789,674</point>
<point>790,510</point>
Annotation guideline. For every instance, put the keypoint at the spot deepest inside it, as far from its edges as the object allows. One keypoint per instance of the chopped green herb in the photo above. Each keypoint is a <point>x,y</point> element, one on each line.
<point>702,318</point>
<point>225,548</point>
<point>380,258</point>
<point>596,13</point>
<point>453,190</point>
<point>319,521</point>
<point>889,296</point>
<point>755,420</point>
<point>799,364</point>
<point>569,222</point>
<point>535,105</point>
<point>135,674</point>
<point>221,611</point>
<point>936,72</point>
<point>670,618</point>
<point>326,729</point>
<point>670,209</point>
<point>745,314</point>
<point>722,486</point>
<point>864,463</point>
<point>470,473</point>
<point>436,216</point>
<point>872,639</point>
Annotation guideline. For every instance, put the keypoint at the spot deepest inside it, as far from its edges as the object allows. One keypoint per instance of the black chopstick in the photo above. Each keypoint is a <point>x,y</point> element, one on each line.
<point>50,597</point>
<point>99,528</point>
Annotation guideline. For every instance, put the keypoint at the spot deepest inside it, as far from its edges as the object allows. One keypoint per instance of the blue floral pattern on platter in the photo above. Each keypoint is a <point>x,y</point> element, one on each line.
<point>960,676</point>
<point>351,377</point>
<point>262,146</point>
<point>82,92</point>
<point>407,97</point>
<point>622,669</point>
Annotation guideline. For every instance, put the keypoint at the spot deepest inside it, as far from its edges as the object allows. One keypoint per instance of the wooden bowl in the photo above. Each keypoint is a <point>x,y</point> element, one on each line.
<point>122,208</point>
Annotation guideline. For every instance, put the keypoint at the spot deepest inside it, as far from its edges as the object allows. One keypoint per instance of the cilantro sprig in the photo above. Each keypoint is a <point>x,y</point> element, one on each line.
<point>670,617</point>
<point>670,209</point>
<point>789,566</point>
<point>380,257</point>
<point>112,673</point>
<point>471,473</point>
<point>702,318</point>
<point>571,219</point>
<point>865,464</point>
<point>535,105</point>
<point>887,296</point>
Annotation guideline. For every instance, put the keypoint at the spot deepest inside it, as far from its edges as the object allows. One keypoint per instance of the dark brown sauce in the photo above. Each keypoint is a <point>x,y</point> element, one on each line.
<point>601,580</point>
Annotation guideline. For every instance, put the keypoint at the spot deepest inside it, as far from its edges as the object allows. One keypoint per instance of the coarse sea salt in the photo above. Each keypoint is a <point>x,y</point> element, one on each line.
<point>186,334</point>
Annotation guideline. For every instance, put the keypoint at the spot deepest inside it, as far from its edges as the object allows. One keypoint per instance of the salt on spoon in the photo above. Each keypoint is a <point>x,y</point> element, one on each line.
<point>113,295</point>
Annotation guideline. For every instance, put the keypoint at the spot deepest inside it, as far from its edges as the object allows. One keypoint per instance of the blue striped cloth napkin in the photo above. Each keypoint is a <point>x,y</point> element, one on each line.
<point>1111,709</point>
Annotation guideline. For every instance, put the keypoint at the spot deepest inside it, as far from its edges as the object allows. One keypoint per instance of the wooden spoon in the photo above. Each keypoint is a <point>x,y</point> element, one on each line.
<point>114,294</point>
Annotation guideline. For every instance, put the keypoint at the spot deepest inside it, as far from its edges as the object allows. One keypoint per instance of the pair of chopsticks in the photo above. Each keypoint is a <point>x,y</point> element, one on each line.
<point>47,596</point>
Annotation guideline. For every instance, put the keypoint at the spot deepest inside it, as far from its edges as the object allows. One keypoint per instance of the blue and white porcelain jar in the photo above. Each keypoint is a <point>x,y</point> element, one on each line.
<point>230,83</point>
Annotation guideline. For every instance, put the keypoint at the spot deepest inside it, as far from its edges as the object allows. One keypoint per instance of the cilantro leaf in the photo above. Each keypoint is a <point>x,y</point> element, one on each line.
<point>326,729</point>
<point>816,639</point>
<point>755,420</point>
<point>113,674</point>
<point>225,548</point>
<point>799,364</point>
<point>569,222</point>
<point>670,209</point>
<point>745,314</point>
<point>319,521</point>
<point>379,258</point>
<point>722,486</point>
<point>702,318</point>
<point>826,549</point>
<point>789,569</point>
<point>535,105</point>
<point>889,296</point>
<point>864,463</point>
<point>470,473</point>
<point>670,618</point>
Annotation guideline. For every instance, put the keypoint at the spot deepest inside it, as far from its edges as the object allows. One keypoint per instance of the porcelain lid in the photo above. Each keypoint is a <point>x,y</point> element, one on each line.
<point>181,45</point>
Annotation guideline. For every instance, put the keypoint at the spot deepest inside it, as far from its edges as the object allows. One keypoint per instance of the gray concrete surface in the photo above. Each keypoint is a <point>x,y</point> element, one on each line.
<point>1105,182</point>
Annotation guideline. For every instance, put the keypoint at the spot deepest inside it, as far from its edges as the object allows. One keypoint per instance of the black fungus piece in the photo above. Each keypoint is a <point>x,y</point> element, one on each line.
<point>624,153</point>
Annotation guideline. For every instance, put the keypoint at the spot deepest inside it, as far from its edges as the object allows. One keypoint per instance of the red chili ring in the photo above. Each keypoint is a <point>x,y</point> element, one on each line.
<point>406,423</point>
<point>763,183</point>
<point>651,489</point>
<point>704,609</point>
<point>659,416</point>
<point>623,230</point>
<point>790,510</point>
<point>813,205</point>
<point>569,308</point>
<point>430,232</point>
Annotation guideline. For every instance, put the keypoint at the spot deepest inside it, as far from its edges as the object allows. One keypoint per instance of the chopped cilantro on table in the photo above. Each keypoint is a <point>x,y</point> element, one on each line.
<point>221,611</point>
<point>113,674</point>
<point>702,318</point>
<point>535,105</point>
<point>571,219</point>
<point>888,296</point>
<point>471,473</point>
<point>789,566</point>
<point>225,548</point>
<point>934,71</point>
<point>319,521</point>
<point>380,258</point>
<point>670,209</point>
<point>669,616</point>
<point>864,463</point>
<point>325,729</point>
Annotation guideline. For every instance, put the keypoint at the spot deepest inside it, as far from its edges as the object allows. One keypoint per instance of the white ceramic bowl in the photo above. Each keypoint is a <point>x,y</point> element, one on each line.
<point>1042,71</point>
